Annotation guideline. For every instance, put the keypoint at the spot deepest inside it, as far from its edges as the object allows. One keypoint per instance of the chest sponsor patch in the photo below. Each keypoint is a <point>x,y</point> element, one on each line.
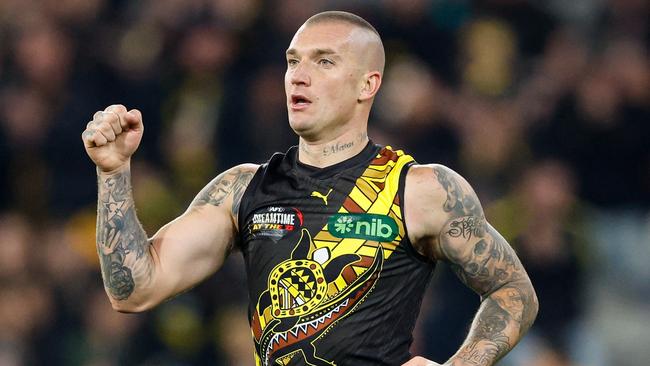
<point>275,222</point>
<point>374,227</point>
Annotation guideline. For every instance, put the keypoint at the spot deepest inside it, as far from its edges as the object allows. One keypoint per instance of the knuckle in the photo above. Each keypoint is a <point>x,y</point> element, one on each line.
<point>115,122</point>
<point>106,116</point>
<point>111,117</point>
<point>106,128</point>
<point>116,108</point>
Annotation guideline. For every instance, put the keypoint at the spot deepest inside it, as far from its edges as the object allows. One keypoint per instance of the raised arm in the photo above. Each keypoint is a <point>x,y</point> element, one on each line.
<point>446,222</point>
<point>138,272</point>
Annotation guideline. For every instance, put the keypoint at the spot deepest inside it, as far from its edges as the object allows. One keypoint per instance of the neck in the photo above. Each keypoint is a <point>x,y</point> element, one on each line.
<point>325,153</point>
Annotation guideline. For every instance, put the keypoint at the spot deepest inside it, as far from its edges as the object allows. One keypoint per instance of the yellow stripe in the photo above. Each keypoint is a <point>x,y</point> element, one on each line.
<point>360,199</point>
<point>390,247</point>
<point>397,211</point>
<point>340,283</point>
<point>387,195</point>
<point>366,250</point>
<point>373,174</point>
<point>381,206</point>
<point>359,270</point>
<point>325,235</point>
<point>348,245</point>
<point>369,189</point>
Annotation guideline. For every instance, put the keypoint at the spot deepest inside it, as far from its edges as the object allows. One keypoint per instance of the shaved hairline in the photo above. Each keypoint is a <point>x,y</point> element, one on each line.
<point>351,19</point>
<point>342,16</point>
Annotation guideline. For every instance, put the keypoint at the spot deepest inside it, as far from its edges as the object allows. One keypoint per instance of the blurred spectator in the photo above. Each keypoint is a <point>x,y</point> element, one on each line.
<point>413,109</point>
<point>550,246</point>
<point>489,48</point>
<point>604,138</point>
<point>543,106</point>
<point>17,249</point>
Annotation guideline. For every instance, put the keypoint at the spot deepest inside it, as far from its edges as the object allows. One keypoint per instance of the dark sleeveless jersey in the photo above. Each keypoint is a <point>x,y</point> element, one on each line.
<point>333,278</point>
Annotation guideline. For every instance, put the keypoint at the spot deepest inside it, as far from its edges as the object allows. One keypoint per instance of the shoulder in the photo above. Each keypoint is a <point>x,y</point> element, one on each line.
<point>235,177</point>
<point>436,181</point>
<point>433,195</point>
<point>227,188</point>
<point>246,168</point>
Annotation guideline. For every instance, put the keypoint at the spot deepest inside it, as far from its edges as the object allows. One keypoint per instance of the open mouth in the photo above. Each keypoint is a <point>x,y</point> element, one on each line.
<point>299,101</point>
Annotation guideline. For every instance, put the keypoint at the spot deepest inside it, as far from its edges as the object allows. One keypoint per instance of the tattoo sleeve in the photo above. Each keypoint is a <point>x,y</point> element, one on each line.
<point>125,253</point>
<point>122,244</point>
<point>232,182</point>
<point>485,262</point>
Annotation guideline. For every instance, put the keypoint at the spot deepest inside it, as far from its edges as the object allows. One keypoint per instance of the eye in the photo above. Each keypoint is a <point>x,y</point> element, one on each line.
<point>292,62</point>
<point>325,62</point>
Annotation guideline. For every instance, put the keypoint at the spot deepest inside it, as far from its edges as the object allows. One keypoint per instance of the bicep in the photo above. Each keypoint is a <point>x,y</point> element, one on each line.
<point>196,244</point>
<point>192,247</point>
<point>479,255</point>
<point>452,227</point>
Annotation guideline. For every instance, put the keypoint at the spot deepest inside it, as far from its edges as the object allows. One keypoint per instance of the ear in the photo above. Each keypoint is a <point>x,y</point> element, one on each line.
<point>372,82</point>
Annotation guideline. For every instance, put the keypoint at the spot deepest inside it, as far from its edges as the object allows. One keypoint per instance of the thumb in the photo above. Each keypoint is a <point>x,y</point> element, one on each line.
<point>134,119</point>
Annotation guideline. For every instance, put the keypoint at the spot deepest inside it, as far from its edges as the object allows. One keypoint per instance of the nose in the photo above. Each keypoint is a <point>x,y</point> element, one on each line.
<point>300,75</point>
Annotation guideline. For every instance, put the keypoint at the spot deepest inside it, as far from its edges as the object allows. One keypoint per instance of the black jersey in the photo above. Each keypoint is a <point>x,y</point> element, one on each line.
<point>333,278</point>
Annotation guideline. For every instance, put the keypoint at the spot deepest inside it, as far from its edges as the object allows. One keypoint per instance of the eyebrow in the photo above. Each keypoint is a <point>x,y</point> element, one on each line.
<point>315,52</point>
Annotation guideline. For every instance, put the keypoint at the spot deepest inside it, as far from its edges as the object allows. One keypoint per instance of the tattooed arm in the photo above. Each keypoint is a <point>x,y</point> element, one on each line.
<point>138,272</point>
<point>446,222</point>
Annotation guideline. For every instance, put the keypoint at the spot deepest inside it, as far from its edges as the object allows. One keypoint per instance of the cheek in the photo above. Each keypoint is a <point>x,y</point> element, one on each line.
<point>287,81</point>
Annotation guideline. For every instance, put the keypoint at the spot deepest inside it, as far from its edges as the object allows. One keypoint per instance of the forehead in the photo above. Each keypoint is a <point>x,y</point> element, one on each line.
<point>332,35</point>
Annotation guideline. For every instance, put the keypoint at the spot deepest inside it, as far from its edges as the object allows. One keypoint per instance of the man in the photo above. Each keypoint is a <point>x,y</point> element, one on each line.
<point>339,235</point>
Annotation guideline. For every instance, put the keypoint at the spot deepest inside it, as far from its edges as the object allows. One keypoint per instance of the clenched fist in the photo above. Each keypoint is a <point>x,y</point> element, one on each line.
<point>113,136</point>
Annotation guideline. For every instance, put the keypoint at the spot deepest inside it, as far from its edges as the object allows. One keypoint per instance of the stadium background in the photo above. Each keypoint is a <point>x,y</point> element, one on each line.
<point>543,106</point>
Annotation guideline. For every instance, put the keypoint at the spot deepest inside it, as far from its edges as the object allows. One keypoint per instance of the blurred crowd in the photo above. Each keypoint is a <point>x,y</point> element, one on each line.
<point>544,106</point>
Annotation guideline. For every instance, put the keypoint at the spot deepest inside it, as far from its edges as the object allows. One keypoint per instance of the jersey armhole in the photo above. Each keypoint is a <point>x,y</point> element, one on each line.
<point>408,246</point>
<point>246,199</point>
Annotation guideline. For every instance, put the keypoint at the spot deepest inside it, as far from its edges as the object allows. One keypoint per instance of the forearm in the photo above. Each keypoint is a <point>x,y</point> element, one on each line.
<point>125,253</point>
<point>502,320</point>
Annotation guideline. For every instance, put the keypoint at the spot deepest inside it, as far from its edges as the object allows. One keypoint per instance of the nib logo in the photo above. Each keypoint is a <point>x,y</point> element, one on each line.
<point>374,227</point>
<point>343,225</point>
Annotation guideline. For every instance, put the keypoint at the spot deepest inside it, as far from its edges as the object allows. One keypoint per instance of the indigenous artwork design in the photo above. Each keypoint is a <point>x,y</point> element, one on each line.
<point>329,276</point>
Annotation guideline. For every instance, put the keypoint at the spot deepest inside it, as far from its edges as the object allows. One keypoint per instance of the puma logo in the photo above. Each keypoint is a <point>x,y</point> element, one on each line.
<point>320,195</point>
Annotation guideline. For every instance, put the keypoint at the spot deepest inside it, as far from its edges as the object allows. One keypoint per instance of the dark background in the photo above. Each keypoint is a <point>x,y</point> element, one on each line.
<point>543,106</point>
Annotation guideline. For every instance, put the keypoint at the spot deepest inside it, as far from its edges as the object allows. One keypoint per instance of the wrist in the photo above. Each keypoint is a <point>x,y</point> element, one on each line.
<point>458,362</point>
<point>113,171</point>
<point>462,361</point>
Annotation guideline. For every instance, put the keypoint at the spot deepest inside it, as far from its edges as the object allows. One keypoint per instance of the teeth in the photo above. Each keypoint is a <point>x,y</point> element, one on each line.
<point>302,328</point>
<point>314,323</point>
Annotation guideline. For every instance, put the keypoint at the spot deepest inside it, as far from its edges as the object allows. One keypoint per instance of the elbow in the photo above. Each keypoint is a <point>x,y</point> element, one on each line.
<point>130,306</point>
<point>534,304</point>
<point>531,308</point>
<point>128,309</point>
